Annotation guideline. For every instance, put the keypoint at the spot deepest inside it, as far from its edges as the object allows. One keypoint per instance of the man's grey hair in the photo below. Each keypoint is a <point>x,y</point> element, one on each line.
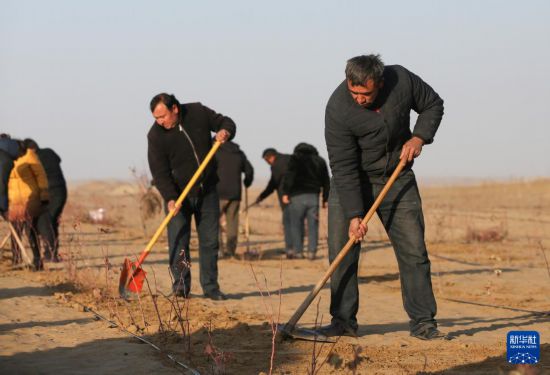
<point>360,69</point>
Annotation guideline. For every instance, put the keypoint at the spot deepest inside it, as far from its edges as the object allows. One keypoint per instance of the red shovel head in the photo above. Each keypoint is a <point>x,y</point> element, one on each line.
<point>131,278</point>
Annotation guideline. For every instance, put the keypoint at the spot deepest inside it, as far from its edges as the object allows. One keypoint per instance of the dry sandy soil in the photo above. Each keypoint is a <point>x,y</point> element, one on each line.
<point>487,244</point>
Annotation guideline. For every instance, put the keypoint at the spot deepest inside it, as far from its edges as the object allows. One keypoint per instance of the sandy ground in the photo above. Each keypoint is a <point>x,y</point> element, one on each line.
<point>40,336</point>
<point>484,289</point>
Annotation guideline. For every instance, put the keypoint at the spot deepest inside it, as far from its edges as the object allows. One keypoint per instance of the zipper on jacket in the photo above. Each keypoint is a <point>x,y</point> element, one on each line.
<point>194,150</point>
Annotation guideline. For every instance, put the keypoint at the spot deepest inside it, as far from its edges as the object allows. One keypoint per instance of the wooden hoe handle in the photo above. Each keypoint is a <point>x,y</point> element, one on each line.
<point>309,299</point>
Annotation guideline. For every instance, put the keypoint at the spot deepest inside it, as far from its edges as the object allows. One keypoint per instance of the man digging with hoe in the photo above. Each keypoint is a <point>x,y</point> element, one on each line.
<point>371,150</point>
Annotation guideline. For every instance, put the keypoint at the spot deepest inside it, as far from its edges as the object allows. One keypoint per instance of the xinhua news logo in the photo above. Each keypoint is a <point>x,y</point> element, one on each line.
<point>523,347</point>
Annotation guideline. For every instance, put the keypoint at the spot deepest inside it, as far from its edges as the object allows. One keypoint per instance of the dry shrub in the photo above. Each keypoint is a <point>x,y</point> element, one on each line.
<point>150,204</point>
<point>495,234</point>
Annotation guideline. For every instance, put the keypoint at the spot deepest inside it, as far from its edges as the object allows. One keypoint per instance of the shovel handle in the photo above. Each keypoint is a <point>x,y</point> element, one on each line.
<point>182,196</point>
<point>311,296</point>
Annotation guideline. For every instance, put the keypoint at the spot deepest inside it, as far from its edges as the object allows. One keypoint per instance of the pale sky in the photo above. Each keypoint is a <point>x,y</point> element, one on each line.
<point>78,76</point>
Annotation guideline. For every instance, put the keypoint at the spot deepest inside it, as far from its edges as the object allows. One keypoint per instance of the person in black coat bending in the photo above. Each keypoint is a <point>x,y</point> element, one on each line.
<point>48,222</point>
<point>367,132</point>
<point>306,177</point>
<point>178,142</point>
<point>232,163</point>
<point>279,166</point>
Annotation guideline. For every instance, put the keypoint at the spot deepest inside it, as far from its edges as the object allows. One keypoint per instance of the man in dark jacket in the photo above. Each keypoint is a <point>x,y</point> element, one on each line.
<point>9,151</point>
<point>306,176</point>
<point>232,163</point>
<point>279,165</point>
<point>48,222</point>
<point>178,142</point>
<point>367,131</point>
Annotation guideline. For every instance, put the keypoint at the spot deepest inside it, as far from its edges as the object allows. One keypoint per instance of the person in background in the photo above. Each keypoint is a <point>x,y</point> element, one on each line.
<point>232,164</point>
<point>48,222</point>
<point>279,165</point>
<point>28,197</point>
<point>306,177</point>
<point>9,151</point>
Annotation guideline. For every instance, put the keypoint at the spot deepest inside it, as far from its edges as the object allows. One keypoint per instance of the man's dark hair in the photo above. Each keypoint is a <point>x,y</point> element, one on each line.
<point>269,152</point>
<point>22,147</point>
<point>30,143</point>
<point>5,136</point>
<point>360,69</point>
<point>169,100</point>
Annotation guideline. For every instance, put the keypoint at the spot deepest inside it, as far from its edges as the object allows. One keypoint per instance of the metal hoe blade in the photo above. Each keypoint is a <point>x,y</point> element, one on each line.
<point>305,334</point>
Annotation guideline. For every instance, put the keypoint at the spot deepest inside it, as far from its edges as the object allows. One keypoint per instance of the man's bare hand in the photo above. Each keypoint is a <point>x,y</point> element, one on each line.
<point>357,229</point>
<point>411,149</point>
<point>285,199</point>
<point>172,206</point>
<point>222,136</point>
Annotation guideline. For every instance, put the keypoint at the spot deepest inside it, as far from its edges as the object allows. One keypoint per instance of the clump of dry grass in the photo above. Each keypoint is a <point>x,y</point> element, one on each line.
<point>150,202</point>
<point>495,234</point>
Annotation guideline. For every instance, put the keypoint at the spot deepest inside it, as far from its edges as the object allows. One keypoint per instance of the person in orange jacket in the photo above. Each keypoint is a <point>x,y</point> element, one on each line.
<point>27,197</point>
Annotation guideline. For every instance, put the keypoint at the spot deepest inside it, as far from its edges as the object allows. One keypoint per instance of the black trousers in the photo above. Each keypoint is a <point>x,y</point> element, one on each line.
<point>206,210</point>
<point>48,221</point>
<point>402,217</point>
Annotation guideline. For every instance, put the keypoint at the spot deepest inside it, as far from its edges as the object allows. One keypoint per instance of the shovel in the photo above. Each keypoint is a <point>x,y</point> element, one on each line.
<point>132,275</point>
<point>288,331</point>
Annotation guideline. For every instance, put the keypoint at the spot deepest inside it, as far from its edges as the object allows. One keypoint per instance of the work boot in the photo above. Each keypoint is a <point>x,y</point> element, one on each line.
<point>337,329</point>
<point>429,331</point>
<point>216,295</point>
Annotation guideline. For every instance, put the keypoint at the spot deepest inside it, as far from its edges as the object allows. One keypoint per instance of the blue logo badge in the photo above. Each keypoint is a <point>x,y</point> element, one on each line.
<point>523,347</point>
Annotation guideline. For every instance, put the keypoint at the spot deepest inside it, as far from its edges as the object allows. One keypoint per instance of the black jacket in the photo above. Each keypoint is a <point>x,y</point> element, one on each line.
<point>278,171</point>
<point>232,162</point>
<point>6,165</point>
<point>175,154</point>
<point>52,165</point>
<point>307,173</point>
<point>366,143</point>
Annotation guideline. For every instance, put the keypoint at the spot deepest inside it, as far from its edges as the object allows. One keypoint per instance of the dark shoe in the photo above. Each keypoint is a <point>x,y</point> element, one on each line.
<point>54,259</point>
<point>428,332</point>
<point>37,266</point>
<point>291,254</point>
<point>216,295</point>
<point>181,292</point>
<point>337,329</point>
